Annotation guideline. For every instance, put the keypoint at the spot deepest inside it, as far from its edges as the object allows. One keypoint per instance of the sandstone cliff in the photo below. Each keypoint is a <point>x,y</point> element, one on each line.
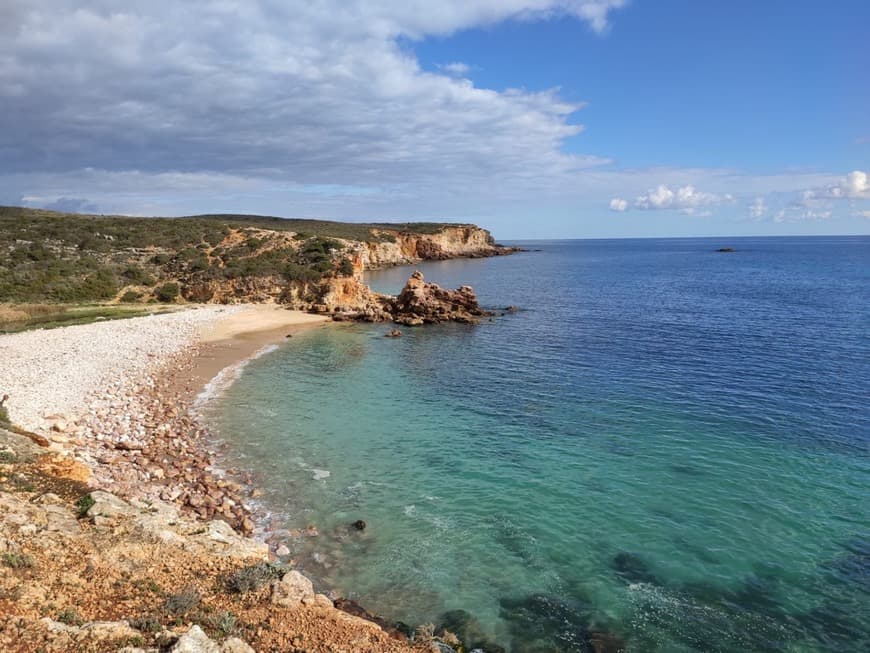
<point>461,241</point>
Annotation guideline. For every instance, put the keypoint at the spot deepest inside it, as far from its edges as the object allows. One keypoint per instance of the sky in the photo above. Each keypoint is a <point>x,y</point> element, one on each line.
<point>533,118</point>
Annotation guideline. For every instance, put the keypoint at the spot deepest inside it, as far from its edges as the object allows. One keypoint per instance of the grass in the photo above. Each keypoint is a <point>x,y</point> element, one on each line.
<point>22,317</point>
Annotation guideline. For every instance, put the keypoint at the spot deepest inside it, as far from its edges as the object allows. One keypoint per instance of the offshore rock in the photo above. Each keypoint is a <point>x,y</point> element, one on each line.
<point>428,303</point>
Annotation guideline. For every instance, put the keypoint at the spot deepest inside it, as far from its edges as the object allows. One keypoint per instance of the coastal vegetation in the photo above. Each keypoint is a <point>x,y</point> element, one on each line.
<point>51,258</point>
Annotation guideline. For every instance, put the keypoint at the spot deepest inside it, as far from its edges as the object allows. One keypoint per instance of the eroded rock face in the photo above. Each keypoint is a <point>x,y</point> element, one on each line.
<point>428,303</point>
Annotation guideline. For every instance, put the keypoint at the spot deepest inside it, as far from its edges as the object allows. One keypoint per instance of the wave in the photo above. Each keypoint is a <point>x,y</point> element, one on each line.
<point>227,376</point>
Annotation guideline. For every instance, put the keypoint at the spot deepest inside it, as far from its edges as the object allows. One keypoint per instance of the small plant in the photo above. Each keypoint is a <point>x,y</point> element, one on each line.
<point>224,622</point>
<point>69,617</point>
<point>167,293</point>
<point>251,578</point>
<point>147,624</point>
<point>131,297</point>
<point>4,416</point>
<point>7,457</point>
<point>183,602</point>
<point>17,560</point>
<point>84,504</point>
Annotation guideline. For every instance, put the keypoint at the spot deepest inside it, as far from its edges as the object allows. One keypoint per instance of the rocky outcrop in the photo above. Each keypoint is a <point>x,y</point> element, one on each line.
<point>428,303</point>
<point>418,303</point>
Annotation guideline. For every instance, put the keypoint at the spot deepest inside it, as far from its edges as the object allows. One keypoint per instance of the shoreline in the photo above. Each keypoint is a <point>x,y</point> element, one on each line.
<point>129,427</point>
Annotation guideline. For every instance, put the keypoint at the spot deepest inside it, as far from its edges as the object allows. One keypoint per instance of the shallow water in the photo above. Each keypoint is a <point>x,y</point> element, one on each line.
<point>668,444</point>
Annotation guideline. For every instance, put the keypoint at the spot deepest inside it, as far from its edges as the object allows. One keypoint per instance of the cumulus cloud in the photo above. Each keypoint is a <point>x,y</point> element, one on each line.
<point>618,204</point>
<point>686,199</point>
<point>854,186</point>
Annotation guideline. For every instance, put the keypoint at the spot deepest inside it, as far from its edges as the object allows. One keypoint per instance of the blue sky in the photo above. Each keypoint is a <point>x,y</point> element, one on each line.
<point>534,118</point>
<point>759,85</point>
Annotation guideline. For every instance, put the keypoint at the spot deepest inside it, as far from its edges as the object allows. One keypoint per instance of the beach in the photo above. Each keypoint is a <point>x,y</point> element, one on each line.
<point>106,407</point>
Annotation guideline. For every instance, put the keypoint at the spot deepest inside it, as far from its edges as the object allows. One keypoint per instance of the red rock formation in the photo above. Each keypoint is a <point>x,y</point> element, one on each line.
<point>428,303</point>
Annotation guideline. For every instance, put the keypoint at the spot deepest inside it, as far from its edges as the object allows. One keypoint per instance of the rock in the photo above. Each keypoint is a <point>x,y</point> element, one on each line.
<point>282,551</point>
<point>108,508</point>
<point>359,525</point>
<point>395,333</point>
<point>725,249</point>
<point>292,590</point>
<point>195,641</point>
<point>428,303</point>
<point>235,645</point>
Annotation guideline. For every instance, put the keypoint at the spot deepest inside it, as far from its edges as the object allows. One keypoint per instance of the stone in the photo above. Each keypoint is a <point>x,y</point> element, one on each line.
<point>291,590</point>
<point>195,641</point>
<point>395,333</point>
<point>107,508</point>
<point>235,645</point>
<point>282,550</point>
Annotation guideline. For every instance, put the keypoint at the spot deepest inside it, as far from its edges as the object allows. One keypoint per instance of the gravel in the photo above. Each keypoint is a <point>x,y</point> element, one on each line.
<point>57,372</point>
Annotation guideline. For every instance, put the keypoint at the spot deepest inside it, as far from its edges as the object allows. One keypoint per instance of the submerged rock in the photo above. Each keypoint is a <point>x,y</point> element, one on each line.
<point>543,622</point>
<point>631,568</point>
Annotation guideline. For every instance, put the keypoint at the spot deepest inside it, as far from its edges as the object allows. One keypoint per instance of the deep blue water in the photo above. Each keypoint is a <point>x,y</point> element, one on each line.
<point>667,444</point>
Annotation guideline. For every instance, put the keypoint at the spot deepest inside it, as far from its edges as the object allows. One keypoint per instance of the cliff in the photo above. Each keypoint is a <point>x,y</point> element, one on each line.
<point>53,257</point>
<point>461,241</point>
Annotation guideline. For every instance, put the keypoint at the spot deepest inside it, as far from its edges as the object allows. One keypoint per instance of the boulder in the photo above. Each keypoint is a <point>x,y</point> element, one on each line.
<point>427,303</point>
<point>292,590</point>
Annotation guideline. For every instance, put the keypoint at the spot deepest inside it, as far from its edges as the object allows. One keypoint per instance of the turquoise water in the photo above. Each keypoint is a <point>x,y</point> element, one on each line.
<point>667,444</point>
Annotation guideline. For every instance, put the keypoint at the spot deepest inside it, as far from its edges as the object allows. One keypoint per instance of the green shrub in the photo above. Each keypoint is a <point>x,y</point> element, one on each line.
<point>84,504</point>
<point>183,602</point>
<point>137,275</point>
<point>131,297</point>
<point>17,560</point>
<point>247,579</point>
<point>301,273</point>
<point>167,293</point>
<point>345,268</point>
<point>70,617</point>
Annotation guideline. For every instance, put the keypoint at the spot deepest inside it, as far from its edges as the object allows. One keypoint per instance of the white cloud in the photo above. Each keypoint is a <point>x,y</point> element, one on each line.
<point>862,214</point>
<point>855,185</point>
<point>455,68</point>
<point>686,199</point>
<point>757,209</point>
<point>618,204</point>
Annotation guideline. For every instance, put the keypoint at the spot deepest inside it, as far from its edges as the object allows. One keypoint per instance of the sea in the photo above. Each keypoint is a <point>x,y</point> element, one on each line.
<point>665,448</point>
